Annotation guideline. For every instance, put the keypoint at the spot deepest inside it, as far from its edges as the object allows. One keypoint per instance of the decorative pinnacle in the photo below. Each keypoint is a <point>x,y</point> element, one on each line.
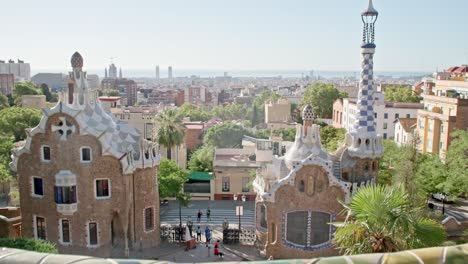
<point>77,60</point>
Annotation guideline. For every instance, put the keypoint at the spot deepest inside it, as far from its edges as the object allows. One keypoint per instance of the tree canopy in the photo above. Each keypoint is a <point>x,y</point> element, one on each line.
<point>193,112</point>
<point>14,120</point>
<point>3,102</point>
<point>29,244</point>
<point>321,97</point>
<point>225,135</point>
<point>170,130</point>
<point>24,88</point>
<point>381,219</point>
<point>398,93</point>
<point>456,182</point>
<point>171,178</point>
<point>6,144</point>
<point>331,137</point>
<point>202,159</point>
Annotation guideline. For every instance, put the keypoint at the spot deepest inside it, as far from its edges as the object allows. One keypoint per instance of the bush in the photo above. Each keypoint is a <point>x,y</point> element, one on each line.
<point>29,244</point>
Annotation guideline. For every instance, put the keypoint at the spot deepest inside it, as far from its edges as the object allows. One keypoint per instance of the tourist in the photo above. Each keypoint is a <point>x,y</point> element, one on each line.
<point>225,224</point>
<point>208,214</point>
<point>190,225</point>
<point>207,235</point>
<point>198,233</point>
<point>199,215</point>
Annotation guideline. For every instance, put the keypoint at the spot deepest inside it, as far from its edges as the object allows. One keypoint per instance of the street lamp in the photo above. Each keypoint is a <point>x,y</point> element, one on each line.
<point>443,203</point>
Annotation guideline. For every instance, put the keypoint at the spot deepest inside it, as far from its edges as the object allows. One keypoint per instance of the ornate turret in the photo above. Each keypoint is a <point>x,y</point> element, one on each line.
<point>78,91</point>
<point>308,117</point>
<point>362,139</point>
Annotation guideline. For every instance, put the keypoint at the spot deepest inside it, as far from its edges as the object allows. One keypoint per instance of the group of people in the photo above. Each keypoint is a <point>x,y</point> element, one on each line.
<point>208,215</point>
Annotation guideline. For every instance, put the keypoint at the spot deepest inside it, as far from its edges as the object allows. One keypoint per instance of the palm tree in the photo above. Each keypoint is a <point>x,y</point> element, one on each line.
<point>381,219</point>
<point>170,130</point>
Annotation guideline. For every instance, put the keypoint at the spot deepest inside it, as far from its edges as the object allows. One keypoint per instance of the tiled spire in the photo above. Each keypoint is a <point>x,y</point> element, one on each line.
<point>363,140</point>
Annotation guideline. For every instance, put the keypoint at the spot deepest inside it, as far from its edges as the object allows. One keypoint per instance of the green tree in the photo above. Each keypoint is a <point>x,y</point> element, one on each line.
<point>381,219</point>
<point>399,93</point>
<point>331,137</point>
<point>29,244</point>
<point>170,130</point>
<point>254,115</point>
<point>225,135</point>
<point>46,91</point>
<point>3,102</point>
<point>321,97</point>
<point>287,134</point>
<point>456,182</point>
<point>24,88</point>
<point>14,120</point>
<point>193,112</point>
<point>113,92</point>
<point>6,144</point>
<point>171,179</point>
<point>202,159</point>
<point>430,175</point>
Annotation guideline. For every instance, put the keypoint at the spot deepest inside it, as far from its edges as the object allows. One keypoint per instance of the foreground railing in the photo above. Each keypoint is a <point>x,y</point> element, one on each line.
<point>453,254</point>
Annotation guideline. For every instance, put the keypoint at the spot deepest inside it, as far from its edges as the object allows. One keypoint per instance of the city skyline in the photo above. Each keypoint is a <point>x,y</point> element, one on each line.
<point>231,36</point>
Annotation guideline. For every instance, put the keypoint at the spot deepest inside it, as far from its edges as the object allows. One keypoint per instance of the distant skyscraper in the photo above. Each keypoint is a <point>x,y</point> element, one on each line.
<point>120,73</point>
<point>105,73</point>
<point>157,72</point>
<point>112,71</point>
<point>169,72</point>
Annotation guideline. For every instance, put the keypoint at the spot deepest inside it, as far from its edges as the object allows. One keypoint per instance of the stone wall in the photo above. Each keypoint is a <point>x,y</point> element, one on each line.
<point>317,196</point>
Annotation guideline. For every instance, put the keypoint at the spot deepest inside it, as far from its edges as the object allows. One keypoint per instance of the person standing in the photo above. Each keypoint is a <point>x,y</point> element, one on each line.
<point>190,225</point>
<point>208,214</point>
<point>199,215</point>
<point>198,233</point>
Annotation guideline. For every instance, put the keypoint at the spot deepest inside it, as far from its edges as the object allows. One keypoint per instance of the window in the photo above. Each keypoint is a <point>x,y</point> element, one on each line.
<point>421,123</point>
<point>442,128</point>
<point>319,228</point>
<point>385,115</point>
<point>385,125</point>
<point>64,231</point>
<point>37,187</point>
<point>149,219</point>
<point>245,184</point>
<point>397,116</point>
<point>408,115</point>
<point>86,154</point>
<point>301,186</point>
<point>45,153</point>
<point>429,144</point>
<point>92,234</point>
<point>65,194</point>
<point>225,184</point>
<point>296,224</point>
<point>40,228</point>
<point>375,115</point>
<point>441,145</point>
<point>263,222</point>
<point>385,135</point>
<point>431,125</point>
<point>102,188</point>
<point>273,233</point>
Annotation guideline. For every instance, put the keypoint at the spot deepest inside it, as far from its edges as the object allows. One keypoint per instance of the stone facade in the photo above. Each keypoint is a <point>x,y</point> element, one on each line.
<point>299,194</point>
<point>85,179</point>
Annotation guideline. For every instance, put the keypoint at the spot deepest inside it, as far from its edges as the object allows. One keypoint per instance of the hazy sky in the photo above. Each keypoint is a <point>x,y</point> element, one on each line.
<point>412,35</point>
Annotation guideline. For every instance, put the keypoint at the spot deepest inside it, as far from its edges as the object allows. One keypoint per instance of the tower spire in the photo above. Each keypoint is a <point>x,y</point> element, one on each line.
<point>362,139</point>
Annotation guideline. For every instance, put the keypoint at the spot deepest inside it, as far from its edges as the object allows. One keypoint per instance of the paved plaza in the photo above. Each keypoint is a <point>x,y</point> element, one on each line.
<point>219,210</point>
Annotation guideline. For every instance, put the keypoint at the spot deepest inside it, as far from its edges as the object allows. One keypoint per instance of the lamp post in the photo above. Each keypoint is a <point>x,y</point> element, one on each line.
<point>239,208</point>
<point>443,203</point>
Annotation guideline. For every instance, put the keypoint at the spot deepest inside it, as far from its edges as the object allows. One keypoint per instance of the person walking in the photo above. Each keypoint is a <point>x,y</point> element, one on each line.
<point>199,233</point>
<point>207,235</point>
<point>199,215</point>
<point>208,214</point>
<point>225,224</point>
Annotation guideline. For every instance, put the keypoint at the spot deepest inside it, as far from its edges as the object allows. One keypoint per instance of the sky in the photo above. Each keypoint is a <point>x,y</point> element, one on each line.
<point>325,35</point>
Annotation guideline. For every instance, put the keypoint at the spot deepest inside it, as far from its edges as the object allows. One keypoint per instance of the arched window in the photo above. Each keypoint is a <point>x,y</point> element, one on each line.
<point>263,222</point>
<point>307,229</point>
<point>301,186</point>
